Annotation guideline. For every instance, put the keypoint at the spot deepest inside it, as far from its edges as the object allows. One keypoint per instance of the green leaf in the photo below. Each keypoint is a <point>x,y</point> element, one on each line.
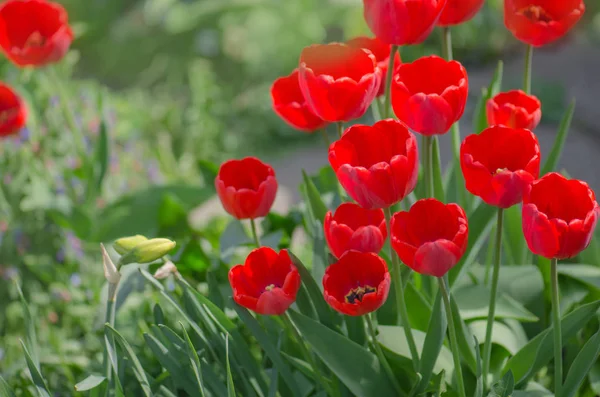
<point>31,337</point>
<point>464,338</point>
<point>270,349</point>
<point>480,223</point>
<point>586,274</point>
<point>208,170</point>
<point>132,214</point>
<point>594,378</point>
<point>479,371</point>
<point>168,360</point>
<point>473,302</point>
<point>323,311</point>
<point>5,390</point>
<point>559,142</point>
<point>419,314</point>
<point>502,335</point>
<point>581,366</point>
<point>138,369</point>
<point>434,340</point>
<point>480,119</point>
<point>342,356</point>
<point>393,339</point>
<point>89,383</point>
<point>317,207</point>
<point>109,345</point>
<point>513,235</point>
<point>102,157</point>
<point>438,182</point>
<point>36,376</point>
<point>539,351</point>
<point>230,385</point>
<point>194,361</point>
<point>504,387</point>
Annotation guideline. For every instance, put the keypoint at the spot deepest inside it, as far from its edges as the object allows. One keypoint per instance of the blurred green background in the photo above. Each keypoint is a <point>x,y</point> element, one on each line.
<point>201,70</point>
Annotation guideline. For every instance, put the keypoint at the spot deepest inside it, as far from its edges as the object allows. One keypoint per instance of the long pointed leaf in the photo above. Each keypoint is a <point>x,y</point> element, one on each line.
<point>5,390</point>
<point>581,366</point>
<point>36,376</point>
<point>270,349</point>
<point>138,370</point>
<point>436,333</point>
<point>194,361</point>
<point>230,385</point>
<point>341,355</point>
<point>559,142</point>
<point>31,337</point>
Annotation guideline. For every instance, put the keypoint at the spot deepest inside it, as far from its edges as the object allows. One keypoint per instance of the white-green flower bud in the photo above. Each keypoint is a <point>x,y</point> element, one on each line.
<point>126,244</point>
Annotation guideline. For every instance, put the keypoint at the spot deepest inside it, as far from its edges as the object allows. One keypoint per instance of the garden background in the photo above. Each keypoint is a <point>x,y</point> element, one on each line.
<point>166,89</point>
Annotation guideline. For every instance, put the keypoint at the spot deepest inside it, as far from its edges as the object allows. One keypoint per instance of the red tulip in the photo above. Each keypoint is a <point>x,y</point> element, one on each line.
<point>355,228</point>
<point>381,51</point>
<point>402,22</point>
<point>13,113</point>
<point>290,105</point>
<point>559,216</point>
<point>459,11</point>
<point>34,32</point>
<point>500,163</point>
<point>358,283</point>
<point>267,283</point>
<point>431,237</point>
<point>430,94</point>
<point>378,165</point>
<point>514,109</point>
<point>339,82</point>
<point>246,187</point>
<point>539,22</point>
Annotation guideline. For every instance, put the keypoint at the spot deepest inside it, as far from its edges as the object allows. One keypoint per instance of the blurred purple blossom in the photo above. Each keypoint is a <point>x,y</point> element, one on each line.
<point>75,280</point>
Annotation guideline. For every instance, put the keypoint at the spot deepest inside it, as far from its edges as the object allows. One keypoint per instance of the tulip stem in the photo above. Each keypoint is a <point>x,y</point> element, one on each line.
<point>453,340</point>
<point>109,319</point>
<point>382,360</point>
<point>447,53</point>
<point>254,233</point>
<point>427,165</point>
<point>556,325</point>
<point>487,347</point>
<point>340,128</point>
<point>527,75</point>
<point>287,321</point>
<point>325,137</point>
<point>388,83</point>
<point>399,290</point>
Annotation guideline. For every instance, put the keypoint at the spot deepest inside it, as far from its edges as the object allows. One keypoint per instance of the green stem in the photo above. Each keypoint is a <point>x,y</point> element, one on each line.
<point>447,43</point>
<point>340,128</point>
<point>388,83</point>
<point>427,165</point>
<point>558,371</point>
<point>254,233</point>
<point>400,303</point>
<point>487,347</point>
<point>325,137</point>
<point>287,321</point>
<point>379,353</point>
<point>527,75</point>
<point>453,340</point>
<point>110,319</point>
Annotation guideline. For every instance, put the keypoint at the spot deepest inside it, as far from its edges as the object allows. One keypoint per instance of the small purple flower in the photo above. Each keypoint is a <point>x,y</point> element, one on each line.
<point>75,280</point>
<point>60,255</point>
<point>24,134</point>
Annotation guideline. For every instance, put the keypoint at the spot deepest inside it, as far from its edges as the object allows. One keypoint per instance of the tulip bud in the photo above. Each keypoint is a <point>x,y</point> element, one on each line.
<point>126,244</point>
<point>111,273</point>
<point>165,270</point>
<point>148,251</point>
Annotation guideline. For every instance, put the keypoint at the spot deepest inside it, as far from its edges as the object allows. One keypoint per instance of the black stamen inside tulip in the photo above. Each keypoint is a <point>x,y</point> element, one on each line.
<point>358,293</point>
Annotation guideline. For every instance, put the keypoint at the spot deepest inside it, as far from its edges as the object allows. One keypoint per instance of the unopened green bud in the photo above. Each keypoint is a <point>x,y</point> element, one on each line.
<point>149,251</point>
<point>126,244</point>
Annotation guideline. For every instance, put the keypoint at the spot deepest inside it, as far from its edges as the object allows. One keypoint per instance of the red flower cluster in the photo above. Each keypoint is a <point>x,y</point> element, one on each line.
<point>13,113</point>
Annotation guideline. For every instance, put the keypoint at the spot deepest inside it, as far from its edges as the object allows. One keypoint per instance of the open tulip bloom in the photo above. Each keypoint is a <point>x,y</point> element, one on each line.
<point>514,109</point>
<point>13,112</point>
